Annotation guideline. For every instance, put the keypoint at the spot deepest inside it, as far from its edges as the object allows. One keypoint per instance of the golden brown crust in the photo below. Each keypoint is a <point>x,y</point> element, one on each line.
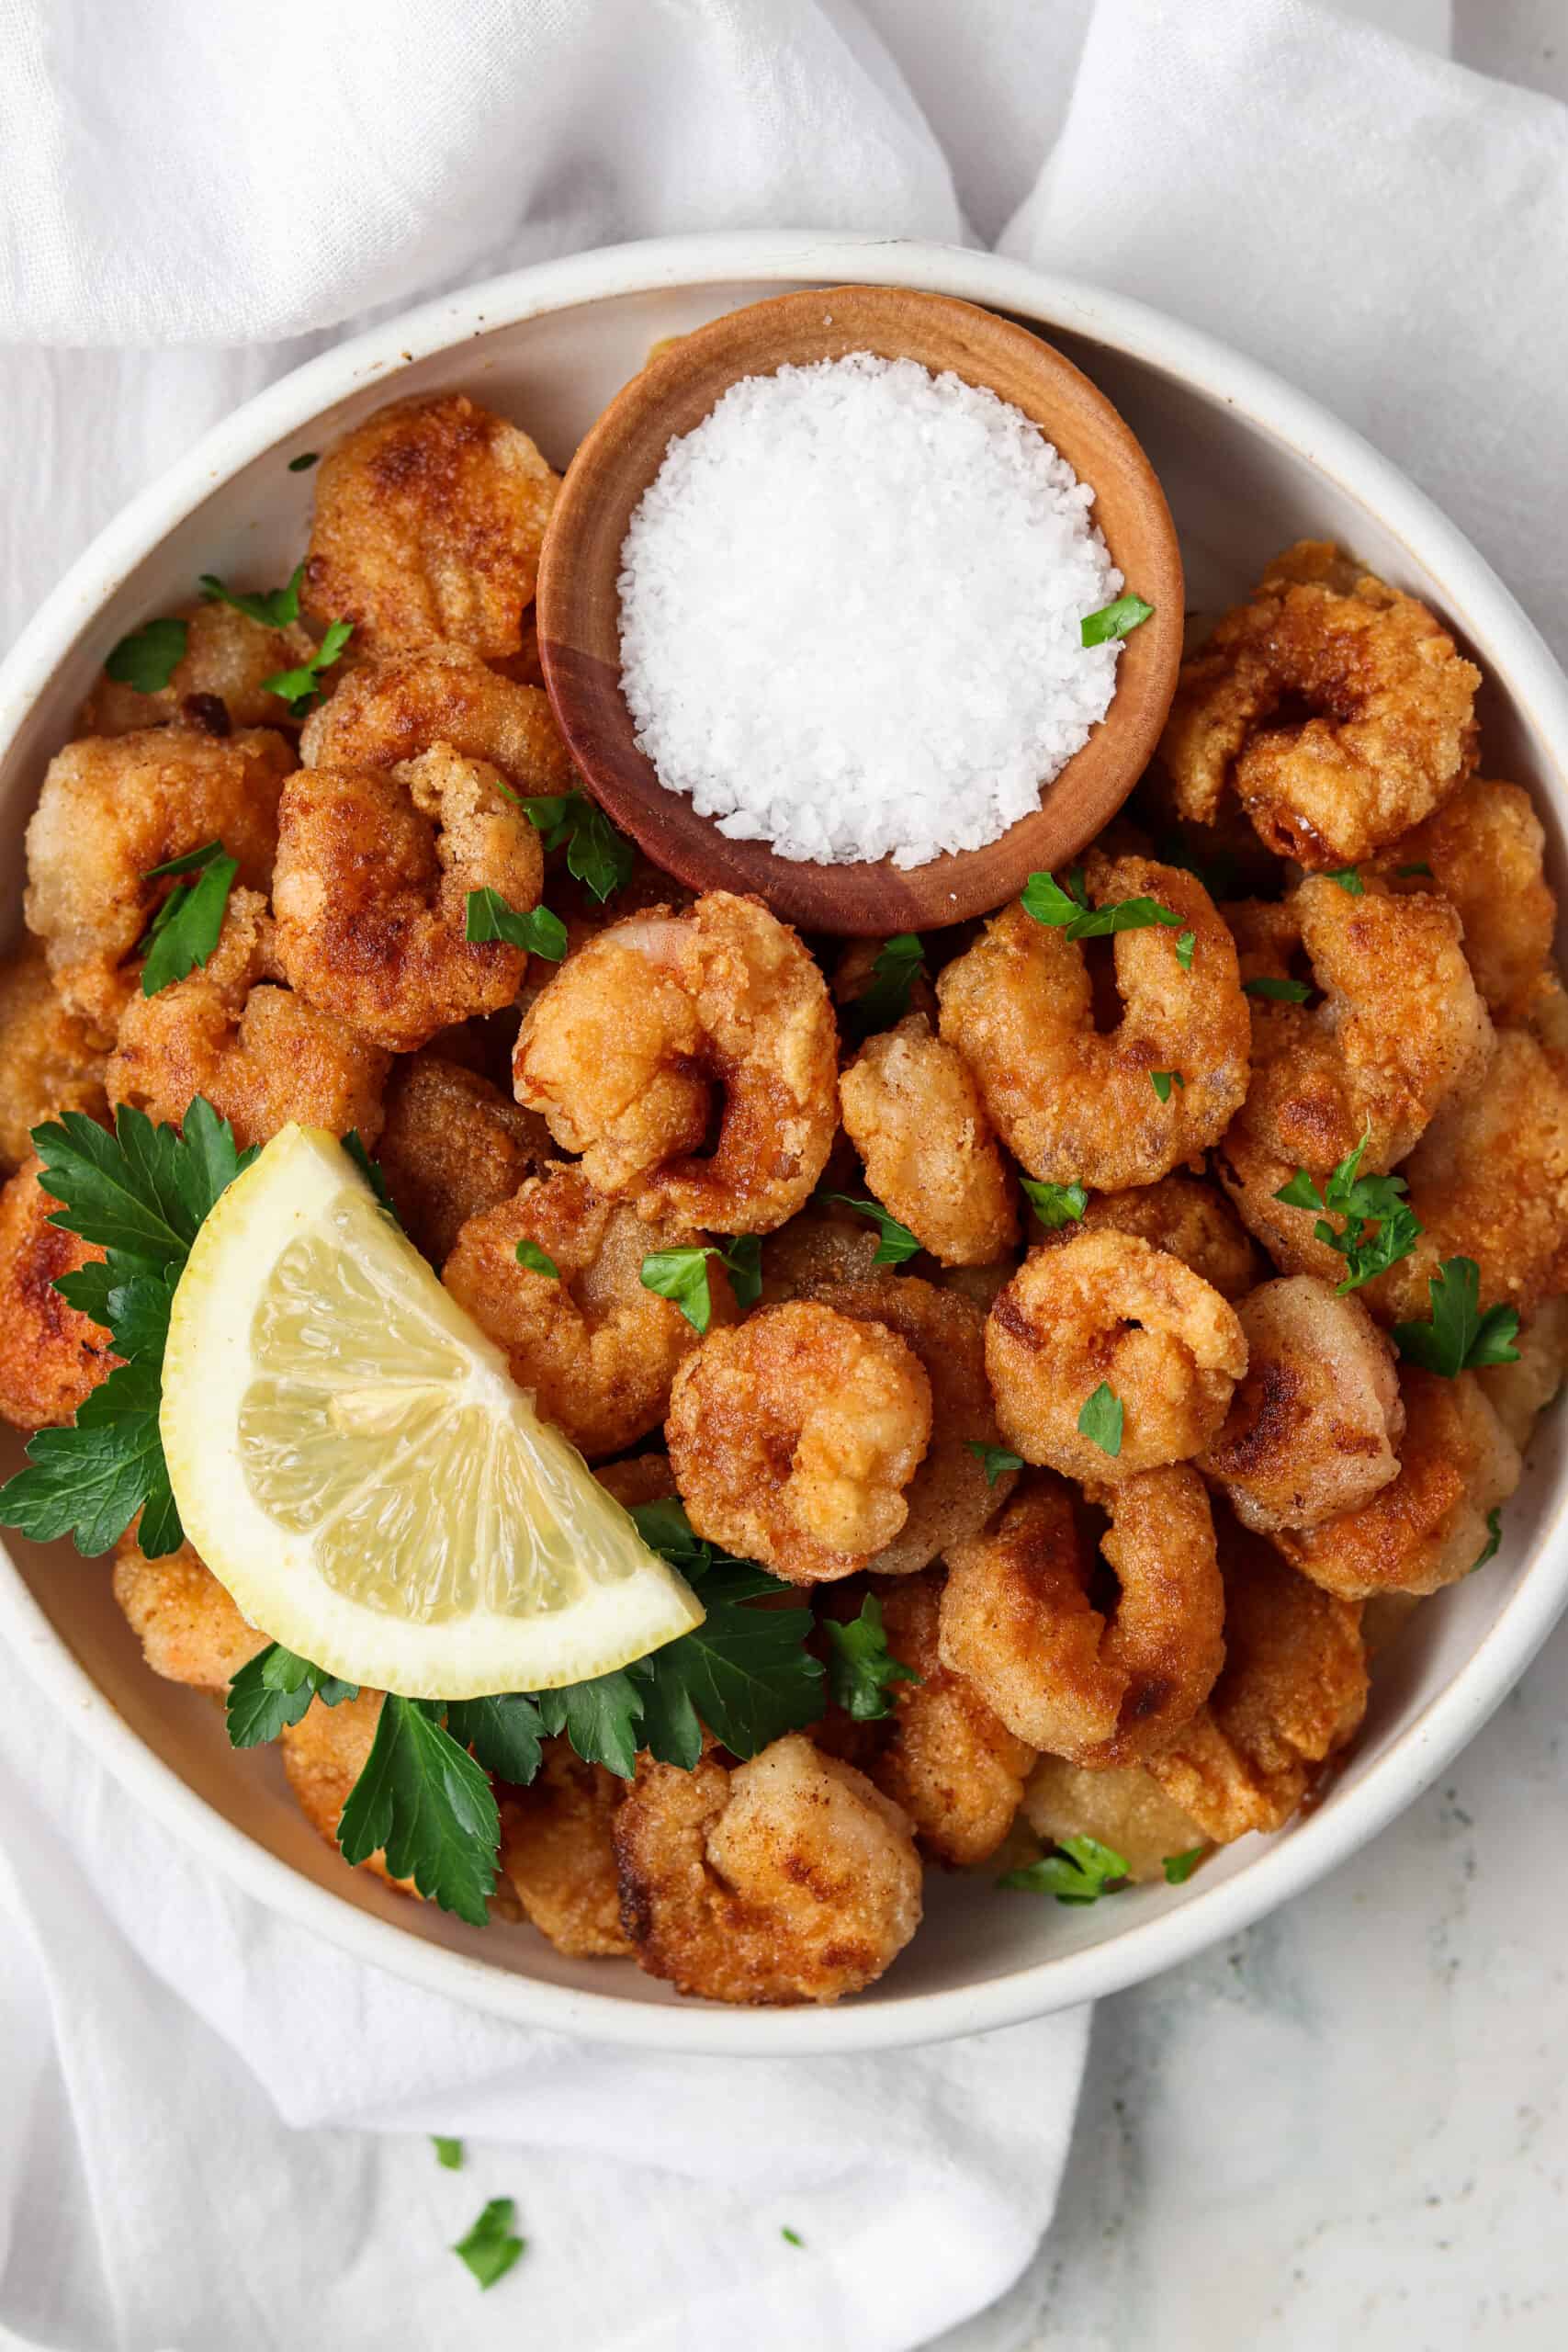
<point>48,1062</point>
<point>391,710</point>
<point>915,1116</point>
<point>452,1146</point>
<point>51,1357</point>
<point>557,1849</point>
<point>1185,1217</point>
<point>1484,850</point>
<point>189,1628</point>
<point>948,1759</point>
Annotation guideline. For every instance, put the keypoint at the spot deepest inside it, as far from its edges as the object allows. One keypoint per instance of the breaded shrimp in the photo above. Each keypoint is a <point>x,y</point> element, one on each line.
<point>214,687</point>
<point>1314,1424</point>
<point>1125,1808</point>
<point>824,1245</point>
<point>112,809</point>
<point>390,711</point>
<point>261,1055</point>
<point>1393,730</point>
<point>789,1878</point>
<point>453,1145</point>
<point>948,1760</point>
<point>374,872</point>
<point>1019,1619</point>
<point>1293,1691</point>
<point>950,1496</point>
<point>644,1478</point>
<point>1077,1105</point>
<point>48,1061</point>
<point>1428,1527</point>
<point>1106,1310</point>
<point>663,1022</point>
<point>51,1357</point>
<point>596,1346</point>
<point>1185,1217</point>
<point>915,1116</point>
<point>189,1628</point>
<point>556,1850</point>
<point>323,1755</point>
<point>794,1438</point>
<point>1484,850</point>
<point>428,522</point>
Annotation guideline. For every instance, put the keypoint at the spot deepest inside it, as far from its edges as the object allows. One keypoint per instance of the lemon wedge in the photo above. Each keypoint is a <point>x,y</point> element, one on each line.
<point>354,1461</point>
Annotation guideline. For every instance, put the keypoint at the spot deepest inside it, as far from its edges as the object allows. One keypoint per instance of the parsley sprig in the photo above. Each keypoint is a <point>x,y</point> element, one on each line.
<point>1457,1336</point>
<point>596,854</point>
<point>1067,909</point>
<point>186,929</point>
<point>681,1275</point>
<point>1054,1205</point>
<point>897,1243</point>
<point>148,657</point>
<point>275,1687</point>
<point>1080,1871</point>
<point>539,933</point>
<point>861,1669</point>
<point>301,688</point>
<point>1379,1228</point>
<point>273,607</point>
<point>885,1000</point>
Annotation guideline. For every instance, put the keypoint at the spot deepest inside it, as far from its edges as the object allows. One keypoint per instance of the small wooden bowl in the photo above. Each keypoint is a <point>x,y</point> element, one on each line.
<point>578,604</point>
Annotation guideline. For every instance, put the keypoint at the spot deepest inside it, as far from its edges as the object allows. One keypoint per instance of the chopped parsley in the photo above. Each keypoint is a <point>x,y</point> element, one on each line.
<point>792,2237</point>
<point>1162,1080</point>
<point>1101,1419</point>
<point>538,932</point>
<point>148,657</point>
<point>681,1275</point>
<point>1067,909</point>
<point>1054,1205</point>
<point>1457,1337</point>
<point>861,1669</point>
<point>186,929</point>
<point>1379,1228</point>
<point>1281,992</point>
<point>596,854</point>
<point>304,461</point>
<point>354,1143</point>
<point>537,1261</point>
<point>1187,942</point>
<point>1420,866</point>
<point>898,1242</point>
<point>1493,1539</point>
<point>1080,1871</point>
<point>885,1000</point>
<point>449,2153</point>
<point>1350,881</point>
<point>491,2247</point>
<point>1178,1868</point>
<point>273,607</point>
<point>1117,620</point>
<point>301,688</point>
<point>995,1459</point>
<point>275,1687</point>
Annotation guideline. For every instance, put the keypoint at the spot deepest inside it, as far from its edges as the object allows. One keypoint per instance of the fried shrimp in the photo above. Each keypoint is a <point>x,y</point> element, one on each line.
<point>1391,731</point>
<point>374,872</point>
<point>789,1878</point>
<point>1313,1424</point>
<point>110,810</point>
<point>323,1755</point>
<point>1185,1217</point>
<point>1126,1809</point>
<point>48,1061</point>
<point>794,1438</point>
<point>428,522</point>
<point>951,1494</point>
<point>597,1348</point>
<point>1517,1392</point>
<point>216,685</point>
<point>915,1116</point>
<point>1019,1619</point>
<point>1428,1527</point>
<point>453,1145</point>
<point>1107,1311</point>
<point>261,1055</point>
<point>1293,1691</point>
<point>558,1851</point>
<point>663,1025</point>
<point>1075,1104</point>
<point>390,711</point>
<point>1484,850</point>
<point>948,1760</point>
<point>51,1356</point>
<point>824,1245</point>
<point>189,1628</point>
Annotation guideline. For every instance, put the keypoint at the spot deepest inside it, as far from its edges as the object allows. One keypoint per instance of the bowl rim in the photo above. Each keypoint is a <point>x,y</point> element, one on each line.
<point>1314,1846</point>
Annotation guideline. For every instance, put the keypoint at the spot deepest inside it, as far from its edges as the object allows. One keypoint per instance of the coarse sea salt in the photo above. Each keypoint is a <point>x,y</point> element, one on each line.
<point>851,612</point>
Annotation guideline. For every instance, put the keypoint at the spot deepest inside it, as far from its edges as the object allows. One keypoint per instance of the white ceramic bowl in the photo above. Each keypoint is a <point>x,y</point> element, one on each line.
<point>1248,464</point>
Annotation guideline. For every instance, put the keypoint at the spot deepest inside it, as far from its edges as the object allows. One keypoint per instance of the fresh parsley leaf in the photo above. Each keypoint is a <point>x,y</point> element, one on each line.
<point>449,2153</point>
<point>885,1000</point>
<point>996,1459</point>
<point>1378,1227</point>
<point>1178,1868</point>
<point>742,1262</point>
<point>1458,1337</point>
<point>423,1801</point>
<point>1281,992</point>
<point>1082,1870</point>
<point>1420,866</point>
<point>792,2237</point>
<point>1069,910</point>
<point>1185,946</point>
<point>304,461</point>
<point>191,862</point>
<point>505,1732</point>
<point>90,1480</point>
<point>599,1717</point>
<point>1350,881</point>
<point>355,1145</point>
<point>1054,1205</point>
<point>491,2247</point>
<point>301,688</point>
<point>1493,1539</point>
<point>274,1688</point>
<point>185,931</point>
<point>665,1529</point>
<point>1101,1417</point>
<point>896,1243</point>
<point>148,657</point>
<point>141,1192</point>
<point>538,932</point>
<point>744,1672</point>
<point>1162,1080</point>
<point>1117,620</point>
<point>273,607</point>
<point>601,858</point>
<point>861,1669</point>
<point>537,1261</point>
<point>682,1276</point>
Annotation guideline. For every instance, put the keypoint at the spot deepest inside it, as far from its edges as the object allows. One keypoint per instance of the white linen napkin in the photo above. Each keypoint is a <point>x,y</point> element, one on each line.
<point>208,2122</point>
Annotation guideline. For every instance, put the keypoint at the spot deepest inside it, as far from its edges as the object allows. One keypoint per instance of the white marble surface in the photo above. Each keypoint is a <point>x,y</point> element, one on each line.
<point>1349,2126</point>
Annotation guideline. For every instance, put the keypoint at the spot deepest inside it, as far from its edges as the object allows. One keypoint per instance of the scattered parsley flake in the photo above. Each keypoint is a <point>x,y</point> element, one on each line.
<point>742,1262</point>
<point>1493,1539</point>
<point>682,1276</point>
<point>1162,1080</point>
<point>1420,866</point>
<point>861,1668</point>
<point>1185,945</point>
<point>449,2153</point>
<point>898,1242</point>
<point>1067,909</point>
<point>1101,1419</point>
<point>538,932</point>
<point>1350,881</point>
<point>1080,1871</point>
<point>148,657</point>
<point>273,607</point>
<point>186,929</point>
<point>1054,1205</point>
<point>491,2247</point>
<point>996,1459</point>
<point>301,688</point>
<point>304,461</point>
<point>885,1000</point>
<point>1378,1227</point>
<point>1117,620</point>
<point>537,1261</point>
<point>792,2237</point>
<point>274,1688</point>
<point>1281,992</point>
<point>1178,1868</point>
<point>1457,1337</point>
<point>598,856</point>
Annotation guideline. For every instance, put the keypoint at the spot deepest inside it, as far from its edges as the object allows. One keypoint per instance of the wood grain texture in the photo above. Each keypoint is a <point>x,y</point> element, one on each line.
<point>578,606</point>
